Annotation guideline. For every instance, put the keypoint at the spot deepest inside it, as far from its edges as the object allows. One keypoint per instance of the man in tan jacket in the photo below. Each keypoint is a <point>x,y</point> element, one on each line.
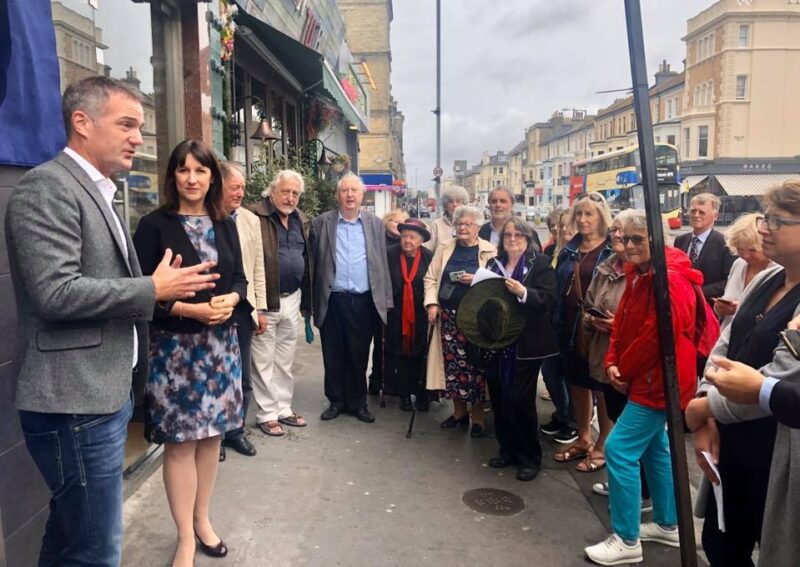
<point>246,323</point>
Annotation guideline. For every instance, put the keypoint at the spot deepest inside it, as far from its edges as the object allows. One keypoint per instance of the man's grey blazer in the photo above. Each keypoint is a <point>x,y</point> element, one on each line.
<point>78,295</point>
<point>323,245</point>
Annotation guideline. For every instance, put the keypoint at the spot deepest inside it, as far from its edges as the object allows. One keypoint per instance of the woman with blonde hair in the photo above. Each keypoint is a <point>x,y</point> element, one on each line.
<point>577,265</point>
<point>744,240</point>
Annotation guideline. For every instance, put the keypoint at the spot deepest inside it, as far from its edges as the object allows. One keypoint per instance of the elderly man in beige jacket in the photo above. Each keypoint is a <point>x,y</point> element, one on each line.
<point>246,323</point>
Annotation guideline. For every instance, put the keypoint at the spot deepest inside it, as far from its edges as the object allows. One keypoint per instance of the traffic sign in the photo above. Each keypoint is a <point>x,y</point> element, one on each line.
<point>438,171</point>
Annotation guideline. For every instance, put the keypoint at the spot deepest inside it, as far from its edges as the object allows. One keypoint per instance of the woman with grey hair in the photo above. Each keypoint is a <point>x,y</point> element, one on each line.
<point>442,228</point>
<point>450,368</point>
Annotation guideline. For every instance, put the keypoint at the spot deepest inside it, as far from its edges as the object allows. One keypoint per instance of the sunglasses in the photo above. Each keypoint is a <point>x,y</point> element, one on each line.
<point>596,197</point>
<point>637,239</point>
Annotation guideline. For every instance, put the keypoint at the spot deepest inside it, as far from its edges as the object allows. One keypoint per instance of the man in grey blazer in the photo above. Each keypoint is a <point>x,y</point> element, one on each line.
<point>82,306</point>
<point>351,290</point>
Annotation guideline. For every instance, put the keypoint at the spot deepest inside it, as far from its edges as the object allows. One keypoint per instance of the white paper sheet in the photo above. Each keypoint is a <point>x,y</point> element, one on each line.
<point>717,492</point>
<point>484,274</point>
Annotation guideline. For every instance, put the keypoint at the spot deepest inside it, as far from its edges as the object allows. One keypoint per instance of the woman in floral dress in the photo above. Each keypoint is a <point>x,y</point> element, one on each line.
<point>194,391</point>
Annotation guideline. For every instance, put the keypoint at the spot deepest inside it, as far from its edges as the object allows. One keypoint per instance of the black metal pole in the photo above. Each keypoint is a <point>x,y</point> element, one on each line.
<point>641,103</point>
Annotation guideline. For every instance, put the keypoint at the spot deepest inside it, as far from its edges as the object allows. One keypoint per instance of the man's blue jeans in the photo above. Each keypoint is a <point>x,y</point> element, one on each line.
<point>81,459</point>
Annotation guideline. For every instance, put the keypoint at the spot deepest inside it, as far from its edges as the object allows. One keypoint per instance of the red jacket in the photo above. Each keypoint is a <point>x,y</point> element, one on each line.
<point>634,346</point>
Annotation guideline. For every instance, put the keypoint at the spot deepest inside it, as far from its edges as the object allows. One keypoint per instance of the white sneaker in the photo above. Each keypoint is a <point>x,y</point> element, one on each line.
<point>614,551</point>
<point>651,531</point>
<point>600,488</point>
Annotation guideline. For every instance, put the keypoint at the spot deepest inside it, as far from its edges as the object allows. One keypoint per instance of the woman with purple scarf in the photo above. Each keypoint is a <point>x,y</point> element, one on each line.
<point>513,373</point>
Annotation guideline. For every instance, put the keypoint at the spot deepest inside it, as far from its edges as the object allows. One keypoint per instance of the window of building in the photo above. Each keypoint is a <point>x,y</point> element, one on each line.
<point>741,87</point>
<point>702,141</point>
<point>670,108</point>
<point>704,47</point>
<point>501,170</point>
<point>687,141</point>
<point>744,35</point>
<point>671,140</point>
<point>658,139</point>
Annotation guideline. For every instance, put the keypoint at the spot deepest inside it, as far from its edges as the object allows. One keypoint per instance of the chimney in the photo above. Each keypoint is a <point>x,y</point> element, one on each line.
<point>131,79</point>
<point>664,72</point>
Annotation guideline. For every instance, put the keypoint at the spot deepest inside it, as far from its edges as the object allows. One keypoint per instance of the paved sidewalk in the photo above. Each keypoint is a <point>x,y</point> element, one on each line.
<point>351,494</point>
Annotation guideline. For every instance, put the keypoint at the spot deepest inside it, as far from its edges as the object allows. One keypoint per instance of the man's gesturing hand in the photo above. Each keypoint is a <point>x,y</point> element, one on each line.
<point>173,282</point>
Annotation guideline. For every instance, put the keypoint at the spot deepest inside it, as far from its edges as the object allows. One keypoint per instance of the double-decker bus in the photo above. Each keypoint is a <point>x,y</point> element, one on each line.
<point>615,173</point>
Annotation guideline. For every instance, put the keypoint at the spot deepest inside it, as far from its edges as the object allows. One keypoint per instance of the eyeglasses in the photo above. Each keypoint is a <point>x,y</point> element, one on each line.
<point>637,239</point>
<point>612,230</point>
<point>774,224</point>
<point>465,224</point>
<point>596,197</point>
<point>514,235</point>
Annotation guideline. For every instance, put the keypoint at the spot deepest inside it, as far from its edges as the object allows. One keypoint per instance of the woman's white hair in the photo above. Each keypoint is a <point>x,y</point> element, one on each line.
<point>454,193</point>
<point>285,175</point>
<point>467,211</point>
<point>637,218</point>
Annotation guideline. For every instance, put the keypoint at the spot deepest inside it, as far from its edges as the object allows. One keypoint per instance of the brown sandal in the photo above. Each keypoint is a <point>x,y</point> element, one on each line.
<point>591,464</point>
<point>268,427</point>
<point>571,453</point>
<point>293,420</point>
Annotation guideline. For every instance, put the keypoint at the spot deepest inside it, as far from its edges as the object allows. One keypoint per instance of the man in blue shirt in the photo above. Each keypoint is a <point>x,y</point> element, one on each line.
<point>351,288</point>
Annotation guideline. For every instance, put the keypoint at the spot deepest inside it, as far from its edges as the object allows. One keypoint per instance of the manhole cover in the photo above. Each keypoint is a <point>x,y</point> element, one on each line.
<point>493,501</point>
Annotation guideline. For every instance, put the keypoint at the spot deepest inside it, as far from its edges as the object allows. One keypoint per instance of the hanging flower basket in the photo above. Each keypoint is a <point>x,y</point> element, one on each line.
<point>319,116</point>
<point>226,13</point>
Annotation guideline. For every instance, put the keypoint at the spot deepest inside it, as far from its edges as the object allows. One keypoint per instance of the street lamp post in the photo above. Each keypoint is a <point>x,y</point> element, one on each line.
<point>323,164</point>
<point>262,132</point>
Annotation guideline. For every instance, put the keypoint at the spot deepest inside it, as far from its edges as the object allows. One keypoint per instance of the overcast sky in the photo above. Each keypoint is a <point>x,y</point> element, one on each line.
<point>506,65</point>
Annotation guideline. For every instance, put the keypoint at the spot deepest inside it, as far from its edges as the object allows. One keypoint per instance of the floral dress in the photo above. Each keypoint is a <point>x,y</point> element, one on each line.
<point>194,389</point>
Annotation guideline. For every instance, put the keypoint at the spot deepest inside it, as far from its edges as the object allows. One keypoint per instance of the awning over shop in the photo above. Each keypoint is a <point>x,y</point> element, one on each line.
<point>331,83</point>
<point>308,67</point>
<point>752,185</point>
<point>692,180</point>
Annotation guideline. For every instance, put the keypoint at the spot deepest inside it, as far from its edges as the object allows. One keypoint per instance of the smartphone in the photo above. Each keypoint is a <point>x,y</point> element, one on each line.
<point>791,338</point>
<point>595,312</point>
<point>455,277</point>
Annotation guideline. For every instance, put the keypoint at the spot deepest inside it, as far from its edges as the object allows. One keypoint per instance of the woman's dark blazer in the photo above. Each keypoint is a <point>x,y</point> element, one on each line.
<point>538,339</point>
<point>162,229</point>
<point>394,334</point>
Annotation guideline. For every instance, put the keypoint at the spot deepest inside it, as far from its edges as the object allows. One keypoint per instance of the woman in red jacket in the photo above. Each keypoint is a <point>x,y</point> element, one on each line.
<point>633,365</point>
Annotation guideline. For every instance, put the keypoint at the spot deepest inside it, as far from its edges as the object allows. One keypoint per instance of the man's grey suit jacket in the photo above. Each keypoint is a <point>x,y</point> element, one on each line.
<point>77,294</point>
<point>323,245</point>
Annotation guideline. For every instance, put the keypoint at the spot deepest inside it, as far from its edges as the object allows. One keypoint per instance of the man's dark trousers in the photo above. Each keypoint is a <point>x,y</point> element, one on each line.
<point>346,335</point>
<point>81,459</point>
<point>244,328</point>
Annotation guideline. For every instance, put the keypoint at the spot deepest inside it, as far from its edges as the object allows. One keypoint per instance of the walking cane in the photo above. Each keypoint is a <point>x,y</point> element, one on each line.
<point>419,380</point>
<point>383,366</point>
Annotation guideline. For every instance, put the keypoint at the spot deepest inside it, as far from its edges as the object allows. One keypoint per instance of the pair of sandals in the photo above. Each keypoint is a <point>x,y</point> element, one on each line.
<point>274,429</point>
<point>574,452</point>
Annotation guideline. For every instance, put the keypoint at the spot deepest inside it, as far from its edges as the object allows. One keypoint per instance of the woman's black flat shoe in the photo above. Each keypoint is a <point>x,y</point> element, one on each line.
<point>452,422</point>
<point>476,431</point>
<point>219,550</point>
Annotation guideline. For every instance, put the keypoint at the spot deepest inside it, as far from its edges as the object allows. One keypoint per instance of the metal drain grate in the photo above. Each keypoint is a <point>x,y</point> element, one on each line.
<point>493,501</point>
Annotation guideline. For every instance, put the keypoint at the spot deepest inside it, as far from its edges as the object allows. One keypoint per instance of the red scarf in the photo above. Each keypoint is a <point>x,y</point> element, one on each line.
<point>409,312</point>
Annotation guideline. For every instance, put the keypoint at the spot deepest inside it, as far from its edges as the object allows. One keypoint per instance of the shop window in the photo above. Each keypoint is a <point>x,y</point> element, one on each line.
<point>687,142</point>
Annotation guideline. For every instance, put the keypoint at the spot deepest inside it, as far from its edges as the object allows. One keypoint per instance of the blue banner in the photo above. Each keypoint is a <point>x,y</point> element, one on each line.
<point>31,127</point>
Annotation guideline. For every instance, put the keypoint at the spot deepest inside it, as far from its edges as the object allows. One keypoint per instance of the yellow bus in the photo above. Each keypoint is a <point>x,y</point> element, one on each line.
<point>615,173</point>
